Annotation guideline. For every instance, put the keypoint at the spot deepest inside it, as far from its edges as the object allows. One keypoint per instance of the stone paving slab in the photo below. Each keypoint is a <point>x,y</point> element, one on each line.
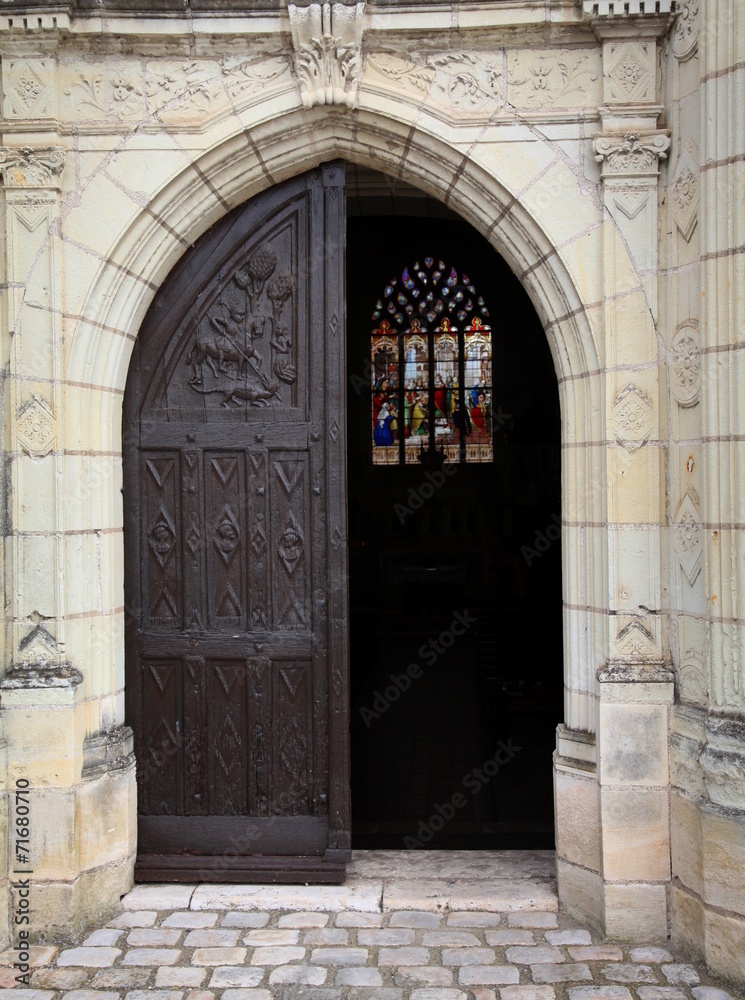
<point>376,938</point>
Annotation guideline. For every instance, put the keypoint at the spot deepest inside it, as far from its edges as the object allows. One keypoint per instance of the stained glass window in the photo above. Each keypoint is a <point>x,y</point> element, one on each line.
<point>431,363</point>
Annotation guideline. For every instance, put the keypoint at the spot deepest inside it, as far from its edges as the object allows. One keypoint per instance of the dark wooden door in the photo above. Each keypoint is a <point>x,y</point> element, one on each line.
<point>235,542</point>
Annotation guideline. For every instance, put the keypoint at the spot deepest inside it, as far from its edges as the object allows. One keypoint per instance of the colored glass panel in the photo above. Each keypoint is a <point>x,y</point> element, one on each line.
<point>478,391</point>
<point>384,369</point>
<point>416,392</point>
<point>448,413</point>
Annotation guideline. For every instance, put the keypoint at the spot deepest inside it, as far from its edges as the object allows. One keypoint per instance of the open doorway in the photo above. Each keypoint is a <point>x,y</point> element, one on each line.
<point>455,568</point>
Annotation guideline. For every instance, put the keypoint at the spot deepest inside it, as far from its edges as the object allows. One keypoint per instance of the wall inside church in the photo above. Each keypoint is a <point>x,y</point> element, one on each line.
<point>599,153</point>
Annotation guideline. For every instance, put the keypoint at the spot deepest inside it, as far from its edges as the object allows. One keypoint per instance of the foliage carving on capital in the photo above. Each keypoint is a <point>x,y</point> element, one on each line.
<point>327,42</point>
<point>25,167</point>
<point>632,154</point>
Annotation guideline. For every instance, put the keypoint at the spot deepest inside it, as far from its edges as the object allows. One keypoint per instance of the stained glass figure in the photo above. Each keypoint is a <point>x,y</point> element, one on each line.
<point>385,425</point>
<point>431,383</point>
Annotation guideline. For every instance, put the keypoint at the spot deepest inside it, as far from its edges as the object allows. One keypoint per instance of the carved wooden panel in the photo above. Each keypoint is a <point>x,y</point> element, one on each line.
<point>290,540</point>
<point>161,524</point>
<point>233,470</point>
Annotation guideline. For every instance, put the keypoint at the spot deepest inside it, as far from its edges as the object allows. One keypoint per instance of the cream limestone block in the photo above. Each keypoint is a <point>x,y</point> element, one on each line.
<point>580,893</point>
<point>617,263</point>
<point>634,477</point>
<point>632,744</point>
<point>636,834</point>
<point>68,909</point>
<point>632,330</point>
<point>103,213</point>
<point>724,860</point>
<point>78,268</point>
<point>686,842</point>
<point>548,79</point>
<point>636,912</point>
<point>112,561</point>
<point>145,162</point>
<point>634,568</point>
<point>577,818</point>
<point>90,646</point>
<point>727,460</point>
<point>46,734</point>
<point>34,506</point>
<point>90,486</point>
<point>84,552</point>
<point>583,258</point>
<point>687,921</point>
<point>104,821</point>
<point>226,128</point>
<point>725,945</point>
<point>35,579</point>
<point>583,485</point>
<point>53,848</point>
<point>548,198</point>
<point>82,405</point>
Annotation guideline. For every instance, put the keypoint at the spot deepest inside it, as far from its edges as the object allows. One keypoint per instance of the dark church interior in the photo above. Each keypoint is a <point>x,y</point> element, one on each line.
<point>452,740</point>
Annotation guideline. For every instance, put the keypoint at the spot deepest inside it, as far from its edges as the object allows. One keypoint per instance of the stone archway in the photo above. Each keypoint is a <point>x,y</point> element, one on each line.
<point>549,252</point>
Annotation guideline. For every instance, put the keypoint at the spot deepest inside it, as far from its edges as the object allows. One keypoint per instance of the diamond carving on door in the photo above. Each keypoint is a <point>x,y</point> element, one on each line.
<point>236,642</point>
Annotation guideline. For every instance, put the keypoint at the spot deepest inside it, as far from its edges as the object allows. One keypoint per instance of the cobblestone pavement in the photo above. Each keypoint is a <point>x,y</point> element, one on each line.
<point>405,926</point>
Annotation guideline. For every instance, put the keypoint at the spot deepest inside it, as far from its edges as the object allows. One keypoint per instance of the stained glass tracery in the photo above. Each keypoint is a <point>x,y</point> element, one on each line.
<point>431,354</point>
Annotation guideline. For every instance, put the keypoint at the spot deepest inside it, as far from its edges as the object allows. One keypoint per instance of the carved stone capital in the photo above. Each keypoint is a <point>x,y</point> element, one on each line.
<point>327,42</point>
<point>634,154</point>
<point>25,167</point>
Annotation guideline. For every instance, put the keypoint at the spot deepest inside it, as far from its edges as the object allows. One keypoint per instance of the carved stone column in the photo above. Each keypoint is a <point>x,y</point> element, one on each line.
<point>327,39</point>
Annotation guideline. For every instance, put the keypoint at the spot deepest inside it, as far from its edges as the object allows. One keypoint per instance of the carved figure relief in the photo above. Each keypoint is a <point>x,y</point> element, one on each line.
<point>686,380</point>
<point>26,89</point>
<point>243,345</point>
<point>684,193</point>
<point>567,78</point>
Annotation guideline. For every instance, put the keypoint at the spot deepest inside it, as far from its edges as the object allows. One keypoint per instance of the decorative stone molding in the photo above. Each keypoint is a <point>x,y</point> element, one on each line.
<point>36,427</point>
<point>632,417</point>
<point>632,155</point>
<point>723,761</point>
<point>686,380</point>
<point>24,167</point>
<point>684,191</point>
<point>686,29</point>
<point>626,8</point>
<point>40,675</point>
<point>563,78</point>
<point>327,39</point>
<point>27,92</point>
<point>108,753</point>
<point>635,642</point>
<point>629,71</point>
<point>688,536</point>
